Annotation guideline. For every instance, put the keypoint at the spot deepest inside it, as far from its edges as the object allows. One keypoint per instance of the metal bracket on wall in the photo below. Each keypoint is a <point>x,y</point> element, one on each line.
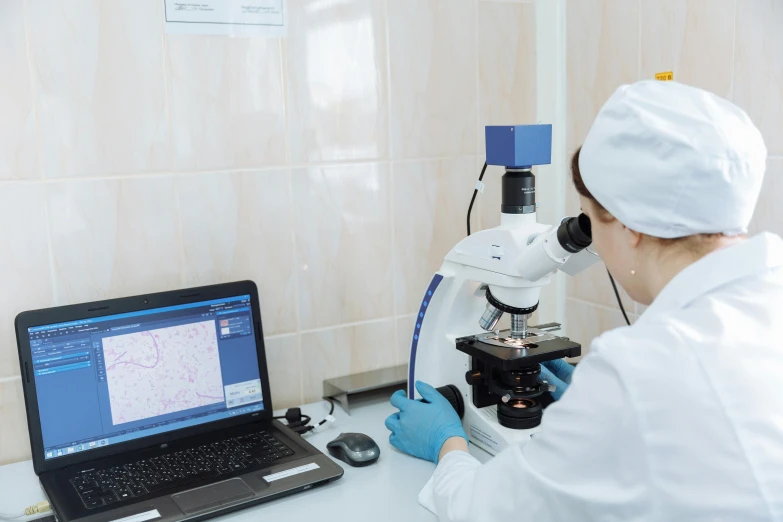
<point>342,389</point>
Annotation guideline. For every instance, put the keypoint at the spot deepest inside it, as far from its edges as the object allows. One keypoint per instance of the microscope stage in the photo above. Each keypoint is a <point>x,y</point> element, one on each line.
<point>501,351</point>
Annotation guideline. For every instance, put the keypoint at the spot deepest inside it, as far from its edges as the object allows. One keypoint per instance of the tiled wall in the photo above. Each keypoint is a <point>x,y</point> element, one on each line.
<point>333,167</point>
<point>733,48</point>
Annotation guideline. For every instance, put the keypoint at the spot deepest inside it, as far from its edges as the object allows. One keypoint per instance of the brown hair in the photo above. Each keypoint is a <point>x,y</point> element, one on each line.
<point>579,185</point>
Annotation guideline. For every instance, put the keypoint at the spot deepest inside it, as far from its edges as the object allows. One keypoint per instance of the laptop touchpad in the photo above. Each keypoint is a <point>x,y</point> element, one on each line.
<point>213,496</point>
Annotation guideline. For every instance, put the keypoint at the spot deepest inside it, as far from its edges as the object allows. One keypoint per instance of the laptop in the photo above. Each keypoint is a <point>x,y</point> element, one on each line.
<point>157,407</point>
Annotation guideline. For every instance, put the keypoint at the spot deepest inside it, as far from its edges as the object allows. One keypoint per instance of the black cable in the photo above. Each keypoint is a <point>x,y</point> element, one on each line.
<point>299,422</point>
<point>617,294</point>
<point>475,191</point>
<point>294,417</point>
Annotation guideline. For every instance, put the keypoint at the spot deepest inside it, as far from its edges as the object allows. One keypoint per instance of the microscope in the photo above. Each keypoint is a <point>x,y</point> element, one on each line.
<point>491,376</point>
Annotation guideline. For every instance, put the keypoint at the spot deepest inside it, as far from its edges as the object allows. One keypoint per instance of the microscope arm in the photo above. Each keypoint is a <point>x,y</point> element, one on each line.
<point>562,247</point>
<point>579,262</point>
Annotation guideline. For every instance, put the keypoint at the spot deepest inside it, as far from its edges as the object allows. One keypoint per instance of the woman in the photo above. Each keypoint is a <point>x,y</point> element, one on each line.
<point>678,417</point>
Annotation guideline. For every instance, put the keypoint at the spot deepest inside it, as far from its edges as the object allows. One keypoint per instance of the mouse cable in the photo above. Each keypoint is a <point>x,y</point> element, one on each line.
<point>479,184</point>
<point>617,294</point>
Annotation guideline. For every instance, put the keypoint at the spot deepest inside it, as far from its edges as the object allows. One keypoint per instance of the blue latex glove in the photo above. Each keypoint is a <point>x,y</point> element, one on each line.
<point>557,373</point>
<point>421,428</point>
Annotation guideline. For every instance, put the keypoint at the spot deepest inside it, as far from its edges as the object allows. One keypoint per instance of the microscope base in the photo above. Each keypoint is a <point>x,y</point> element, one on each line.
<point>484,430</point>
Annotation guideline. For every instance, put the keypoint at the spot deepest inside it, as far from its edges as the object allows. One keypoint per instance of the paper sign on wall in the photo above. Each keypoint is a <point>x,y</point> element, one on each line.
<point>665,76</point>
<point>265,18</point>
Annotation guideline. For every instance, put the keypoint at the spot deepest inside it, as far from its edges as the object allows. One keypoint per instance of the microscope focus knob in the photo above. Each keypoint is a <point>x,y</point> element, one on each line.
<point>452,394</point>
<point>473,377</point>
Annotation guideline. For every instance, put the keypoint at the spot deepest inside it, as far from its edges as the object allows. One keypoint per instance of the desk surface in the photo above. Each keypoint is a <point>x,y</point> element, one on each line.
<point>387,490</point>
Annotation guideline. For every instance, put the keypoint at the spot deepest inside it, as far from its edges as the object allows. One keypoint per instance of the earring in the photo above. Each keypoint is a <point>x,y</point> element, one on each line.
<point>633,272</point>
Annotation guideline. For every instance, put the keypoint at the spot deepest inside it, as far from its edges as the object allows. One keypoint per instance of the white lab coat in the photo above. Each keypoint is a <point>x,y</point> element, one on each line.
<point>676,418</point>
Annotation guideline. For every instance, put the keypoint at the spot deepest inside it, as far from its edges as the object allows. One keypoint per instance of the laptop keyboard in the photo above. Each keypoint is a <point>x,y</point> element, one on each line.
<point>245,453</point>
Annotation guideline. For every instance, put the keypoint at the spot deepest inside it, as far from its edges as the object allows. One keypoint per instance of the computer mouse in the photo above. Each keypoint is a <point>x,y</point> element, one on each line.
<point>355,449</point>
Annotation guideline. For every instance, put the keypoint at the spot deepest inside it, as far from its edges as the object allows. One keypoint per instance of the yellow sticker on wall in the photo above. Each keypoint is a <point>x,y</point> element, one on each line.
<point>665,76</point>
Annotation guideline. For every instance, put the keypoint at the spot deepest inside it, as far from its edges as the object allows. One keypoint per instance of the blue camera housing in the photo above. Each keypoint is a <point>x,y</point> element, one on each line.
<point>518,146</point>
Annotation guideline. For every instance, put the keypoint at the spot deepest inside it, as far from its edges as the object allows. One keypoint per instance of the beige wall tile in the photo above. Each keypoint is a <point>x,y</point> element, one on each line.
<point>14,440</point>
<point>344,351</point>
<point>18,153</point>
<point>405,325</point>
<point>227,102</point>
<point>239,226</point>
<point>593,286</point>
<point>758,73</point>
<point>769,212</point>
<point>507,65</point>
<point>693,38</point>
<point>602,54</point>
<point>113,238</point>
<point>343,242</point>
<point>586,321</point>
<point>603,49</point>
<point>25,271</point>
<point>337,81</point>
<point>100,86</point>
<point>432,51</point>
<point>430,205</point>
<point>507,84</point>
<point>285,371</point>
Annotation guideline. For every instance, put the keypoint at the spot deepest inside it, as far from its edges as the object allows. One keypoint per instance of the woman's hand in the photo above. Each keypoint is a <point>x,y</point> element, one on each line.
<point>421,428</point>
<point>557,373</point>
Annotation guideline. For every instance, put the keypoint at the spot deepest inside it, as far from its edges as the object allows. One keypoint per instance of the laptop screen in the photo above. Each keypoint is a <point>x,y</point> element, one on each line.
<point>122,377</point>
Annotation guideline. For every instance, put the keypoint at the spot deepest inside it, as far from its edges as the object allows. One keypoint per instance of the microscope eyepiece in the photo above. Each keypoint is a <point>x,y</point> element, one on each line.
<point>575,233</point>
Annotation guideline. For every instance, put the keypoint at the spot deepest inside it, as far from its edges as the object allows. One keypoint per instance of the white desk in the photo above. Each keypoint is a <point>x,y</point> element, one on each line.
<point>386,490</point>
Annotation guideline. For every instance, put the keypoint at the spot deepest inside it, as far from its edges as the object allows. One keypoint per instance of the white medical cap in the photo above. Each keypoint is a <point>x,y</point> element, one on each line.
<point>669,160</point>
